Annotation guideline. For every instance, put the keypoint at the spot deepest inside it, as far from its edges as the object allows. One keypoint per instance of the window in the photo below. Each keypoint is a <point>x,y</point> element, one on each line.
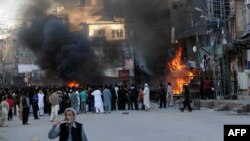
<point>118,33</point>
<point>100,32</point>
<point>113,33</point>
<point>121,33</point>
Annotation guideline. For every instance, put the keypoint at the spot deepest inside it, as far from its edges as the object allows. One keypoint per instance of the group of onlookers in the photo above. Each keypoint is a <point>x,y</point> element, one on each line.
<point>96,99</point>
<point>166,96</point>
<point>54,100</point>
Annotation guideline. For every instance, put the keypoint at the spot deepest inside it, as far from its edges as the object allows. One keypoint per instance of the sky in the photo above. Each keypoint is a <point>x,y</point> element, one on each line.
<point>10,11</point>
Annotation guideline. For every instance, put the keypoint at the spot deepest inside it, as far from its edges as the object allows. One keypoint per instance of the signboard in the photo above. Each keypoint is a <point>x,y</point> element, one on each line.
<point>192,64</point>
<point>23,68</point>
<point>123,74</point>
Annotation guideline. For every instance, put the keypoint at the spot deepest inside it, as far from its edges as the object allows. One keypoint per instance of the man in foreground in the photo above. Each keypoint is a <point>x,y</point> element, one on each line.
<point>70,130</point>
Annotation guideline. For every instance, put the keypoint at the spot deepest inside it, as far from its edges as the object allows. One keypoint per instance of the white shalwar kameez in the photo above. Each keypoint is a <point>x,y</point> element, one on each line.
<point>41,103</point>
<point>170,96</point>
<point>98,101</point>
<point>146,100</point>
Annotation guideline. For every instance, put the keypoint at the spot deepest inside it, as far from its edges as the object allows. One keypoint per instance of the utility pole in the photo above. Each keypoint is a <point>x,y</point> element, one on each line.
<point>227,70</point>
<point>213,44</point>
<point>216,19</point>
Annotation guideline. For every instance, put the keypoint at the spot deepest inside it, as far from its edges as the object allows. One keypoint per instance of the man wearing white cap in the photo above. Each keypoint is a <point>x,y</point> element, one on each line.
<point>69,130</point>
<point>146,93</point>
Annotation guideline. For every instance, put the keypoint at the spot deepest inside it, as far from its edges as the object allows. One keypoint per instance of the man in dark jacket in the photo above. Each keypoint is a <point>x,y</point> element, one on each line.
<point>26,107</point>
<point>133,93</point>
<point>162,94</point>
<point>69,130</point>
<point>186,102</point>
<point>35,106</point>
<point>114,97</point>
<point>122,98</point>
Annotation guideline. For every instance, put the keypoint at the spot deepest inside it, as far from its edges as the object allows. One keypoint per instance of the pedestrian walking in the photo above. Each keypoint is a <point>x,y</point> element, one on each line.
<point>186,102</point>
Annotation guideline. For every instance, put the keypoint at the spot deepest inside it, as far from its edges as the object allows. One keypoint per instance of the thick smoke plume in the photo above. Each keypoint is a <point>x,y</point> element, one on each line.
<point>151,24</point>
<point>59,52</point>
<point>149,21</point>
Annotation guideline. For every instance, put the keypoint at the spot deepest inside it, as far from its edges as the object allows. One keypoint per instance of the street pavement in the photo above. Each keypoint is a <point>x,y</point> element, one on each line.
<point>157,125</point>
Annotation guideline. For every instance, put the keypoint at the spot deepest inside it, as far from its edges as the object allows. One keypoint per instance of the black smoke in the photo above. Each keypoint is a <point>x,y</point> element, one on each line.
<point>149,32</point>
<point>151,27</point>
<point>61,53</point>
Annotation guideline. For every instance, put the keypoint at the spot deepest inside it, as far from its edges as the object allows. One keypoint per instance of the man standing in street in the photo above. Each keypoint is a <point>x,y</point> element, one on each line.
<point>41,103</point>
<point>107,99</point>
<point>170,96</point>
<point>121,98</point>
<point>133,94</point>
<point>26,106</point>
<point>83,97</point>
<point>146,100</point>
<point>98,100</point>
<point>114,97</point>
<point>74,100</point>
<point>69,130</point>
<point>35,106</point>
<point>54,100</point>
<point>162,94</point>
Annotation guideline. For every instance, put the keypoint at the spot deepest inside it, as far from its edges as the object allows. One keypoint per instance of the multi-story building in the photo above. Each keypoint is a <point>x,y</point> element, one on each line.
<point>107,35</point>
<point>108,40</point>
<point>76,12</point>
<point>239,31</point>
<point>13,55</point>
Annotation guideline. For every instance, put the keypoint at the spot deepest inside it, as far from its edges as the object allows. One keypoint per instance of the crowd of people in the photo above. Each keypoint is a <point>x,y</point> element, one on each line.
<point>73,101</point>
<point>54,100</point>
<point>96,99</point>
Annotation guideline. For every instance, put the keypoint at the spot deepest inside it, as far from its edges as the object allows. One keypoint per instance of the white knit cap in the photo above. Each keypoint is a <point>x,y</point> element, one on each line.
<point>70,109</point>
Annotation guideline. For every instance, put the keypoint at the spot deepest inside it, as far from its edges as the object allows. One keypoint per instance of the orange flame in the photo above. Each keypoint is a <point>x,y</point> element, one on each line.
<point>176,63</point>
<point>73,84</point>
<point>180,74</point>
